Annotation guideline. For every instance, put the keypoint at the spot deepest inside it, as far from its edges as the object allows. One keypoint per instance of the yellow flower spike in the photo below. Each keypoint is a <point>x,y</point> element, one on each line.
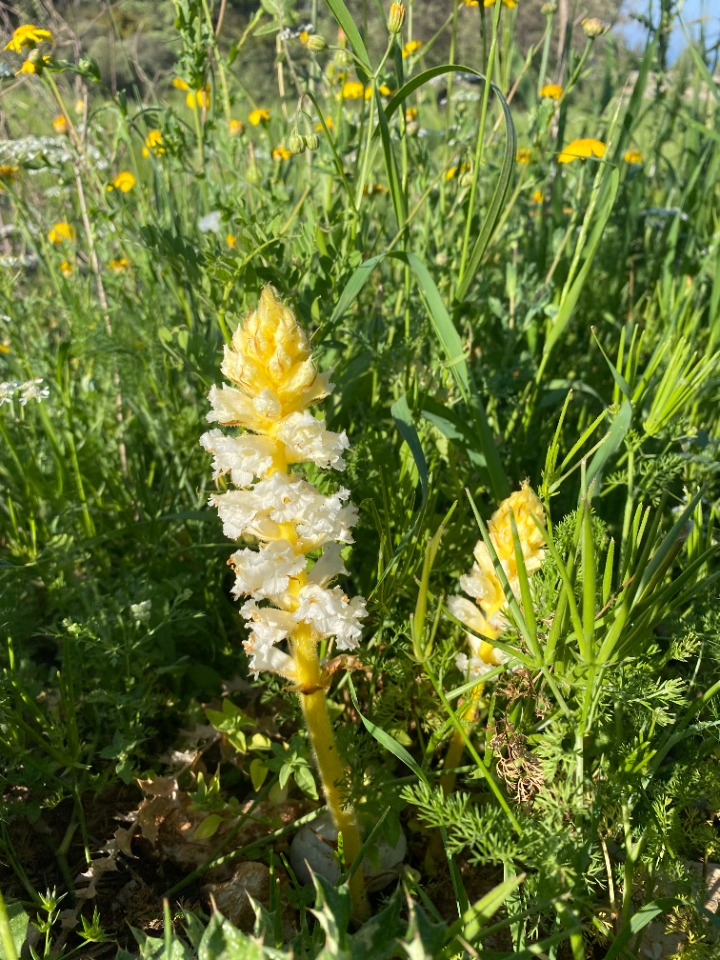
<point>551,91</point>
<point>27,36</point>
<point>581,150</point>
<point>258,116</point>
<point>62,231</point>
<point>290,606</point>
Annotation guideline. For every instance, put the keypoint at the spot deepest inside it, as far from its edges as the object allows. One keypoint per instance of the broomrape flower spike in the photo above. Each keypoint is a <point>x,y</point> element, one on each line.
<point>486,616</point>
<point>289,603</point>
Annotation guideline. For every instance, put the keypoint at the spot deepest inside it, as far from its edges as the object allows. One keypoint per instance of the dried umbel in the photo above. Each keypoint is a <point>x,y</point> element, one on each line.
<point>486,615</point>
<point>293,532</point>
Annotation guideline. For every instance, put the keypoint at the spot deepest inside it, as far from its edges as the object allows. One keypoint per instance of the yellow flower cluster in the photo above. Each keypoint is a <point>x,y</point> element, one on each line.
<point>153,144</point>
<point>124,182</point>
<point>27,37</point>
<point>486,616</point>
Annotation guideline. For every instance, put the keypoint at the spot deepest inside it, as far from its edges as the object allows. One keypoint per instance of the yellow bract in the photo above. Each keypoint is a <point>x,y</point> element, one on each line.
<point>27,36</point>
<point>60,232</point>
<point>270,351</point>
<point>582,149</point>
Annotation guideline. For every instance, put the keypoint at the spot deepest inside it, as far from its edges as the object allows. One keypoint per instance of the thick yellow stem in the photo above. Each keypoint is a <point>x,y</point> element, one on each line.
<point>312,698</point>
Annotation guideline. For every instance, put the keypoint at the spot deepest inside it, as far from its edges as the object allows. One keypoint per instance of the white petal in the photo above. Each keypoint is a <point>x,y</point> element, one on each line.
<point>329,566</point>
<point>331,614</point>
<point>306,438</point>
<point>266,573</point>
<point>244,458</point>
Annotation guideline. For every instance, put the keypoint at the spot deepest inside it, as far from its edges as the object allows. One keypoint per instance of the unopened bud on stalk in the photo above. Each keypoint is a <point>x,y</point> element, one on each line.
<point>296,143</point>
<point>316,43</point>
<point>396,18</point>
<point>312,141</point>
<point>548,9</point>
<point>593,27</point>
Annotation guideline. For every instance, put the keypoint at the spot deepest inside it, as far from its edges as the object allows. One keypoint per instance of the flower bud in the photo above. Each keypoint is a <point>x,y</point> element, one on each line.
<point>297,143</point>
<point>548,8</point>
<point>316,43</point>
<point>593,27</point>
<point>396,18</point>
<point>312,141</point>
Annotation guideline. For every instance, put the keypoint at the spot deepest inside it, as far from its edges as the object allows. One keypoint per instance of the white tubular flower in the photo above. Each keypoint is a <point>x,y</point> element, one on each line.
<point>306,438</point>
<point>289,599</point>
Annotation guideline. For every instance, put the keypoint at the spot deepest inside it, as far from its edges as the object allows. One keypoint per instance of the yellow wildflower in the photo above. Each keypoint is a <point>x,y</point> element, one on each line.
<point>581,150</point>
<point>27,36</point>
<point>33,65</point>
<point>79,106</point>
<point>523,155</point>
<point>230,240</point>
<point>411,114</point>
<point>66,268</point>
<point>8,173</point>
<point>124,181</point>
<point>491,3</point>
<point>180,84</point>
<point>153,144</point>
<point>551,91</point>
<point>329,123</point>
<point>198,98</point>
<point>60,232</point>
<point>4,348</point>
<point>538,196</point>
<point>236,127</point>
<point>119,264</point>
<point>60,124</point>
<point>411,47</point>
<point>258,116</point>
<point>353,90</point>
<point>471,3</point>
<point>633,156</point>
<point>452,172</point>
<point>281,153</point>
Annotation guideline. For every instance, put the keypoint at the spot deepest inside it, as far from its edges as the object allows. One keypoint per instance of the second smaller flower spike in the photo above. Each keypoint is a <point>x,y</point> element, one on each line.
<point>487,615</point>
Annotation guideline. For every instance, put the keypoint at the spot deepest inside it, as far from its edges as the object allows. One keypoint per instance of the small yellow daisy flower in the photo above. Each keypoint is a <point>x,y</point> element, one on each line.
<point>582,149</point>
<point>523,155</point>
<point>34,65</point>
<point>411,47</point>
<point>60,124</point>
<point>551,91</point>
<point>27,36</point>
<point>236,127</point>
<point>281,153</point>
<point>66,268</point>
<point>124,182</point>
<point>633,156</point>
<point>258,116</point>
<point>538,196</point>
<point>230,240</point>
<point>352,90</point>
<point>60,232</point>
<point>119,264</point>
